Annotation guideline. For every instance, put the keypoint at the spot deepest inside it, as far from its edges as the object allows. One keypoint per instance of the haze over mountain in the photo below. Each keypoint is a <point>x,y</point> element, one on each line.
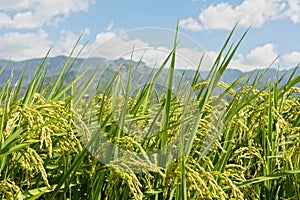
<point>55,64</point>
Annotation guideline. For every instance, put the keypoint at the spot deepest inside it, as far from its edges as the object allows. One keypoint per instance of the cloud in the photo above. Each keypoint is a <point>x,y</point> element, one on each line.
<point>65,44</point>
<point>190,24</point>
<point>253,13</point>
<point>104,36</point>
<point>4,19</point>
<point>190,58</point>
<point>291,59</point>
<point>111,45</point>
<point>33,13</point>
<point>293,12</point>
<point>15,4</point>
<point>186,58</point>
<point>19,46</point>
<point>258,58</point>
<point>262,56</point>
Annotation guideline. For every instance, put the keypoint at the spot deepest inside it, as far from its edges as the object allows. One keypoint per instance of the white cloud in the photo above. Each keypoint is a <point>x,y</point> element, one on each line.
<point>258,58</point>
<point>4,19</point>
<point>104,36</point>
<point>190,24</point>
<point>19,46</point>
<point>186,58</point>
<point>65,44</point>
<point>111,45</point>
<point>253,13</point>
<point>262,55</point>
<point>34,13</point>
<point>293,12</point>
<point>15,4</point>
<point>291,59</point>
<point>190,58</point>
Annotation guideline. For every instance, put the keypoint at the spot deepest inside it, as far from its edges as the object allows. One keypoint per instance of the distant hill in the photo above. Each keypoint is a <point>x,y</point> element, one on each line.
<point>55,64</point>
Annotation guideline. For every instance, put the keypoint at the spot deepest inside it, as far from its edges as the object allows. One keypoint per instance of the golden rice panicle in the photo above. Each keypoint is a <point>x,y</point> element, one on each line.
<point>122,173</point>
<point>32,164</point>
<point>10,191</point>
<point>12,121</point>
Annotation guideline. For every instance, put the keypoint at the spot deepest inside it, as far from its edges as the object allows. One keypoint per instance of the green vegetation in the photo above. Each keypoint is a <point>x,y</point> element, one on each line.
<point>256,154</point>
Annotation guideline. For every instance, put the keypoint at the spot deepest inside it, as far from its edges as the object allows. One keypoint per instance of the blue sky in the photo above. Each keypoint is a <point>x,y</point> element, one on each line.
<point>28,28</point>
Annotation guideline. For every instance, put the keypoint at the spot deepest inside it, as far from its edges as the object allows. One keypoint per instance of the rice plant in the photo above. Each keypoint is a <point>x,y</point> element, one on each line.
<point>256,154</point>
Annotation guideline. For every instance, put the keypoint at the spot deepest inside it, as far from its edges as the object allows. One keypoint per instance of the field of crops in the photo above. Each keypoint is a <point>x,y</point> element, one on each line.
<point>252,150</point>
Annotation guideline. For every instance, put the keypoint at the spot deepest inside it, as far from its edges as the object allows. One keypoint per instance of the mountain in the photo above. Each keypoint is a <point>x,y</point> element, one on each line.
<point>108,67</point>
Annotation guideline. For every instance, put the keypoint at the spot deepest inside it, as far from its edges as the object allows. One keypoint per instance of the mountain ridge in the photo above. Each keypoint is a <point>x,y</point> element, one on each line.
<point>54,65</point>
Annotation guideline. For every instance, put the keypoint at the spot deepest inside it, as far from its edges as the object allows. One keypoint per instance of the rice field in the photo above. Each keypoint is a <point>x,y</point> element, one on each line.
<point>47,152</point>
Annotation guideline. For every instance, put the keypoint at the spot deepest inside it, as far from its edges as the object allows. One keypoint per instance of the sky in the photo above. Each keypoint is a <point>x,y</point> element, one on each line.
<point>112,28</point>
